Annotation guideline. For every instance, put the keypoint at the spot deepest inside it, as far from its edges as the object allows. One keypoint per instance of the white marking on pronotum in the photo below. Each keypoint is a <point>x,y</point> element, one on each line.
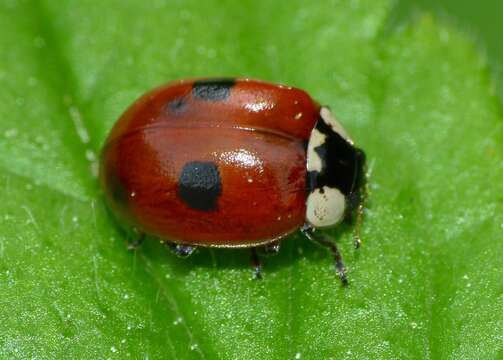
<point>314,162</point>
<point>325,207</point>
<point>331,121</point>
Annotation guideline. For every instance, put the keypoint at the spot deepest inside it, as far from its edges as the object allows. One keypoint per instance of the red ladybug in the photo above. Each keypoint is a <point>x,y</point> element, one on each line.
<point>231,163</point>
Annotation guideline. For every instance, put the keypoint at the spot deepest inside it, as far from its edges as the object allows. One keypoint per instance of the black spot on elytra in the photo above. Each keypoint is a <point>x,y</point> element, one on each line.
<point>213,89</point>
<point>342,164</point>
<point>177,105</point>
<point>199,185</point>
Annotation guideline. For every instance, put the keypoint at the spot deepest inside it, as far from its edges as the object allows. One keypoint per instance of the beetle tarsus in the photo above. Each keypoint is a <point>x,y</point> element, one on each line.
<point>359,218</point>
<point>358,197</point>
<point>269,249</point>
<point>357,241</point>
<point>256,264</point>
<point>322,240</point>
<point>181,250</point>
<point>359,213</point>
<point>136,243</point>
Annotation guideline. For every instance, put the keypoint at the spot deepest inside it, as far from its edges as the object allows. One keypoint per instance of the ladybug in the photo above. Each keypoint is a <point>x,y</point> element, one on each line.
<point>234,163</point>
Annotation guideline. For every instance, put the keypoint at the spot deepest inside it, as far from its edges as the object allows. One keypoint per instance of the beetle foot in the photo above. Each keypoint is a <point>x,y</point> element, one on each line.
<point>357,241</point>
<point>322,240</point>
<point>181,250</point>
<point>255,264</point>
<point>136,243</point>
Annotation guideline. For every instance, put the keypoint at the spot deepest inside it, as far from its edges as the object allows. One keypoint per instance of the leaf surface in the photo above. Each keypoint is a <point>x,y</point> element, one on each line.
<point>416,96</point>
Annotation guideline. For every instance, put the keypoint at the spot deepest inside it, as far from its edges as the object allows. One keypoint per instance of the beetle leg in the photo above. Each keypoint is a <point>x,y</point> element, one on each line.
<point>357,199</point>
<point>180,250</point>
<point>358,221</point>
<point>136,243</point>
<point>269,249</point>
<point>364,192</point>
<point>326,242</point>
<point>256,264</point>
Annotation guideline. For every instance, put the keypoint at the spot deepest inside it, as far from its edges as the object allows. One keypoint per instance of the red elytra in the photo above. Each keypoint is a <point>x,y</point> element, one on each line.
<point>255,134</point>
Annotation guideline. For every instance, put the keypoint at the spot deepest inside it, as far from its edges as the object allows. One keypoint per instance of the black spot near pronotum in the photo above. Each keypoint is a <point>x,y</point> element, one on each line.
<point>199,185</point>
<point>177,106</point>
<point>213,89</point>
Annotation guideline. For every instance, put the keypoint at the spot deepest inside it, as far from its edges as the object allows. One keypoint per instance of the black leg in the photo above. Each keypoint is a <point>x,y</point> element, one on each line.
<point>180,250</point>
<point>355,210</point>
<point>256,264</point>
<point>364,192</point>
<point>358,224</point>
<point>136,243</point>
<point>358,197</point>
<point>324,241</point>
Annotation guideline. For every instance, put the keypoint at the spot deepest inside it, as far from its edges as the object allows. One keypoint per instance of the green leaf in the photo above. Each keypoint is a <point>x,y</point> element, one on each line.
<point>415,95</point>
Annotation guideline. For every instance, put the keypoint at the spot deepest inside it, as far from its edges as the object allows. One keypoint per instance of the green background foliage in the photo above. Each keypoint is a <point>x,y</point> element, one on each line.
<point>411,86</point>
